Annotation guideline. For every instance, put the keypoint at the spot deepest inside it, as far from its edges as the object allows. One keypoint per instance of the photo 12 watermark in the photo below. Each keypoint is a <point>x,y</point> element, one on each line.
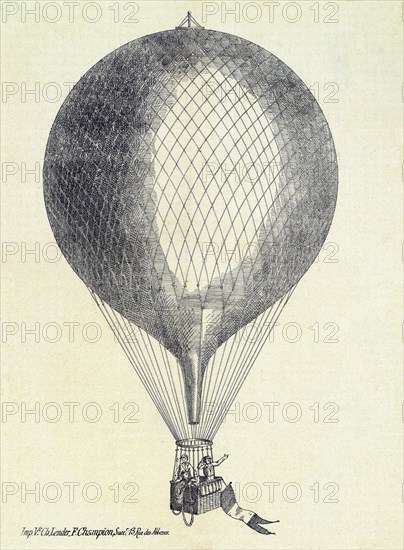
<point>126,12</point>
<point>69,492</point>
<point>271,12</point>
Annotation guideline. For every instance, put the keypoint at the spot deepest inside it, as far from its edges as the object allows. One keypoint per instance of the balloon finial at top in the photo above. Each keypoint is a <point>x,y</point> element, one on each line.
<point>186,23</point>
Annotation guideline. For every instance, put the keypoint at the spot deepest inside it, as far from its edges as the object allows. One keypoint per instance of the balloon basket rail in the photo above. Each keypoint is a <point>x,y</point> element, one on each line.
<point>195,498</point>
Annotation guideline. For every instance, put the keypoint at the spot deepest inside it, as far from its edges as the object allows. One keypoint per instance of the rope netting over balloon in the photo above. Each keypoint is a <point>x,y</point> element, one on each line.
<point>190,181</point>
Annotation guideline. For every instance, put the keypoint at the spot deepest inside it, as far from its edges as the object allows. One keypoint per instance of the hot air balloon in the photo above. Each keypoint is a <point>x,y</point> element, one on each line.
<point>190,180</point>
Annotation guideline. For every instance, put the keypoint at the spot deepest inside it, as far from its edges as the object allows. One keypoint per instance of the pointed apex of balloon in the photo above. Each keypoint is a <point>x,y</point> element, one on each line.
<point>187,22</point>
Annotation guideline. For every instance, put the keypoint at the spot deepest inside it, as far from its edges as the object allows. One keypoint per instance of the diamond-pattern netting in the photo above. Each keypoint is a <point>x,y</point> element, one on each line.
<point>204,205</point>
<point>190,180</point>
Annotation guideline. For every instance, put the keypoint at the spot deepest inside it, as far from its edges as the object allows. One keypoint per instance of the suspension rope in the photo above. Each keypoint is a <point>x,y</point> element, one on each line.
<point>238,352</point>
<point>243,365</point>
<point>243,372</point>
<point>135,361</point>
<point>223,381</point>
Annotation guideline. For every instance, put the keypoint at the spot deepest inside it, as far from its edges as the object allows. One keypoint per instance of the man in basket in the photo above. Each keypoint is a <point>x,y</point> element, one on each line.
<point>208,466</point>
<point>186,474</point>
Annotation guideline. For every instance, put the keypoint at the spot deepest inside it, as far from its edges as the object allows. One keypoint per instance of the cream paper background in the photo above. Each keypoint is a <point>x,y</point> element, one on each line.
<point>359,291</point>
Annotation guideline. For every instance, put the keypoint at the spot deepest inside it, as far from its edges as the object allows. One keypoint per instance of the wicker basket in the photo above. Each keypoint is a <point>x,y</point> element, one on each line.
<point>196,498</point>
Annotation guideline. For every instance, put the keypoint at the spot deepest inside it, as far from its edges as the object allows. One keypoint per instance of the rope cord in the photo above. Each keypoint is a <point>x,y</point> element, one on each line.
<point>161,374</point>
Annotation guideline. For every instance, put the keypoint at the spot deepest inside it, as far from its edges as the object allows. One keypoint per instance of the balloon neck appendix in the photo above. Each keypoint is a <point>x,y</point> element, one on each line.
<point>190,181</point>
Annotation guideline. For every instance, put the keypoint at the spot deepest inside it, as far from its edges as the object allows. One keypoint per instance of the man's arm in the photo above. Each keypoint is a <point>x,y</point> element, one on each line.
<point>218,462</point>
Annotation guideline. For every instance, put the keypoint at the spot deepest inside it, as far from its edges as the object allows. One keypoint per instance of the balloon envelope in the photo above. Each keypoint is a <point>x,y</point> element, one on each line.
<point>190,180</point>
